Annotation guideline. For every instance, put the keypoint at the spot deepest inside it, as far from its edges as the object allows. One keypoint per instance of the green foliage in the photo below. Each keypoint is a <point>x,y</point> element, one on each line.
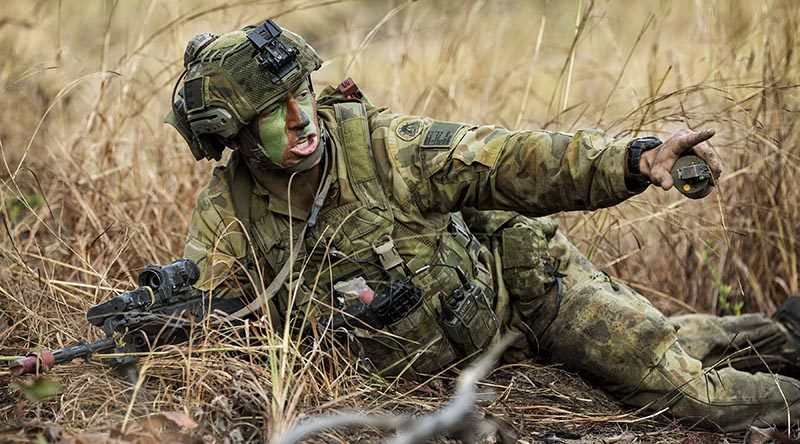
<point>17,209</point>
<point>723,289</point>
<point>37,389</point>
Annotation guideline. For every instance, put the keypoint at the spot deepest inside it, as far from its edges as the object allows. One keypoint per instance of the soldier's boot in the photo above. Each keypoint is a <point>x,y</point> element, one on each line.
<point>750,342</point>
<point>789,315</point>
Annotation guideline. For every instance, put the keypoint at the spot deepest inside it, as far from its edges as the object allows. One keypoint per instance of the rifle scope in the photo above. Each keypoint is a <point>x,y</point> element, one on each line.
<point>157,286</point>
<point>181,273</point>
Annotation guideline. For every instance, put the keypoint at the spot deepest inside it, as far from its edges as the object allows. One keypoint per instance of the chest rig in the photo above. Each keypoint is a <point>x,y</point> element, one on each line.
<point>360,233</point>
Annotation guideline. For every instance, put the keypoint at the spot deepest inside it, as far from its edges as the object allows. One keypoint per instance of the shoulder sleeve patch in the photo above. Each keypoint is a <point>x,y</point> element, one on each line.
<point>441,134</point>
<point>408,131</point>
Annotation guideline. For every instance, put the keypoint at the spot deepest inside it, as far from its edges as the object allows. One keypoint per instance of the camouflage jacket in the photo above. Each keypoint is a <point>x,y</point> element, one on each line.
<point>417,175</point>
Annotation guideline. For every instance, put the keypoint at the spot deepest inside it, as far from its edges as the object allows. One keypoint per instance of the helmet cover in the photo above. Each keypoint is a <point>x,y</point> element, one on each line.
<point>232,78</point>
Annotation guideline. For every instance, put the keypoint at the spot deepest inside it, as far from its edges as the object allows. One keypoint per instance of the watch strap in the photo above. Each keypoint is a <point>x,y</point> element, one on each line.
<point>636,148</point>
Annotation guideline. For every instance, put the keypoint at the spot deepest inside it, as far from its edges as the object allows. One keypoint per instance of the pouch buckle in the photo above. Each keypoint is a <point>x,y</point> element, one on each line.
<point>391,261</point>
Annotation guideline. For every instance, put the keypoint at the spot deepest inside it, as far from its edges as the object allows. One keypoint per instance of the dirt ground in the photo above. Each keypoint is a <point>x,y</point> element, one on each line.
<point>526,403</point>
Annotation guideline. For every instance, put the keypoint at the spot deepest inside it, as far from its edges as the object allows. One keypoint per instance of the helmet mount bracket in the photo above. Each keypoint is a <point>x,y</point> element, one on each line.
<point>274,56</point>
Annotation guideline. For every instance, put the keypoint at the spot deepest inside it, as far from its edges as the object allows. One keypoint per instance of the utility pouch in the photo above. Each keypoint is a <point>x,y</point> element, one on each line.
<point>398,332</point>
<point>427,350</point>
<point>528,270</point>
<point>467,319</point>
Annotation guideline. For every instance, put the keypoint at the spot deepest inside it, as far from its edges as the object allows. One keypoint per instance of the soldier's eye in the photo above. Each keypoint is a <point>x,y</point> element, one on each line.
<point>268,113</point>
<point>303,95</point>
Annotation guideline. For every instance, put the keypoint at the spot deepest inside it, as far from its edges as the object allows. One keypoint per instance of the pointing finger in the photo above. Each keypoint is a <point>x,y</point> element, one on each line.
<point>694,138</point>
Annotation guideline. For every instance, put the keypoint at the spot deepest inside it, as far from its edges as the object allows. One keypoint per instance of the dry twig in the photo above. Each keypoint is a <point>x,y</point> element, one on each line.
<point>448,419</point>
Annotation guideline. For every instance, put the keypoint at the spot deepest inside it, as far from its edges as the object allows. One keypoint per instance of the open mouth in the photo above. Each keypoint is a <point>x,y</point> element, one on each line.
<point>305,146</point>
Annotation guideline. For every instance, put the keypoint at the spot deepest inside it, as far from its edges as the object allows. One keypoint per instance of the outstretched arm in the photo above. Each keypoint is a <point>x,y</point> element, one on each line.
<point>443,167</point>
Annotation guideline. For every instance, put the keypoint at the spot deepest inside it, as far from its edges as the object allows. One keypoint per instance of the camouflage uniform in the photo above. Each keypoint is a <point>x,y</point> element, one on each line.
<point>409,187</point>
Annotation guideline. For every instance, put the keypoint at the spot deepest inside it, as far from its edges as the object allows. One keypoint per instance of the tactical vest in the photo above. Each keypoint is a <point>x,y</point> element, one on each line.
<point>366,235</point>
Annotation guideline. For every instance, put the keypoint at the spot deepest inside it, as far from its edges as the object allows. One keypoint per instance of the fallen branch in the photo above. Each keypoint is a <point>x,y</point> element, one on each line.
<point>448,419</point>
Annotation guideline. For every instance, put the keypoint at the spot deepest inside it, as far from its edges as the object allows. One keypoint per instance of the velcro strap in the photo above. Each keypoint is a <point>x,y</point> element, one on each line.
<point>355,135</point>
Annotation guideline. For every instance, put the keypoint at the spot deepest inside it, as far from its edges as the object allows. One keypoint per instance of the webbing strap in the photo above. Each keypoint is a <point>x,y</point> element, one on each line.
<point>241,188</point>
<point>265,297</point>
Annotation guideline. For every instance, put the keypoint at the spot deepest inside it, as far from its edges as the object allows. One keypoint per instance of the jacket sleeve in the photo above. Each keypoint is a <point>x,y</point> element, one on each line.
<point>444,167</point>
<point>217,243</point>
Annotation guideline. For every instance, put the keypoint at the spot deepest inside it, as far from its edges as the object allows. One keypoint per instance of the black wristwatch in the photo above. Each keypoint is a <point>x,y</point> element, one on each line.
<point>635,149</point>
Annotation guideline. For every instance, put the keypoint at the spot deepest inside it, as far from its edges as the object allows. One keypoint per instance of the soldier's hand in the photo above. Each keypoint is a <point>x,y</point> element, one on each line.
<point>656,164</point>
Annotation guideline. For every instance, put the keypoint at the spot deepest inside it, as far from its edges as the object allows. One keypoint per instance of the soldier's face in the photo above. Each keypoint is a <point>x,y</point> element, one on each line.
<point>289,130</point>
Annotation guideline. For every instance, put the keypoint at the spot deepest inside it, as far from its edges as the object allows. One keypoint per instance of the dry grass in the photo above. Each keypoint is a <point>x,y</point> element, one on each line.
<point>94,186</point>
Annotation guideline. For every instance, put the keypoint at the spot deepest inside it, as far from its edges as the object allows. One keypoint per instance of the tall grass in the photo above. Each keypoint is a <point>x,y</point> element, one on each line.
<point>94,186</point>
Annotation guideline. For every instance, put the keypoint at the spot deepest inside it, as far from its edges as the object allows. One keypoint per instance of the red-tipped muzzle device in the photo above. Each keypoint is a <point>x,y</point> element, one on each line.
<point>33,362</point>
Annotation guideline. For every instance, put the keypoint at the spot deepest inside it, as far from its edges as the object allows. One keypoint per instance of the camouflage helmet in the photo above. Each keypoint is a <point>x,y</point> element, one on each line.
<point>231,79</point>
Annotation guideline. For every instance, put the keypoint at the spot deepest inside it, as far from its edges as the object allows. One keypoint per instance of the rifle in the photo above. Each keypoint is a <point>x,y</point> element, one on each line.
<point>159,311</point>
<point>165,305</point>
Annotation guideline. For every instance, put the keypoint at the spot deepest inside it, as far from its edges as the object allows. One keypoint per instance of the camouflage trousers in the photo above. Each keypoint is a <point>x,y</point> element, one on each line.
<point>715,371</point>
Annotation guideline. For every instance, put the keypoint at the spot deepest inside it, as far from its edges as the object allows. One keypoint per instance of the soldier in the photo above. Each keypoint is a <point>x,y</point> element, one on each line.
<point>330,191</point>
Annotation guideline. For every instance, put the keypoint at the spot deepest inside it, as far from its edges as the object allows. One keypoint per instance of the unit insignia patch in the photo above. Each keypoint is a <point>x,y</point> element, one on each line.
<point>409,130</point>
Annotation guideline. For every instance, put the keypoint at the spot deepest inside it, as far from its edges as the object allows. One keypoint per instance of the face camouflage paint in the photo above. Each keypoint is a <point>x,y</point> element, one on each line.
<point>289,130</point>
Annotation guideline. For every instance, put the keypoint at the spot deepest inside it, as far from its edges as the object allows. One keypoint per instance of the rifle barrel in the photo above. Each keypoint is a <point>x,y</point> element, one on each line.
<point>45,359</point>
